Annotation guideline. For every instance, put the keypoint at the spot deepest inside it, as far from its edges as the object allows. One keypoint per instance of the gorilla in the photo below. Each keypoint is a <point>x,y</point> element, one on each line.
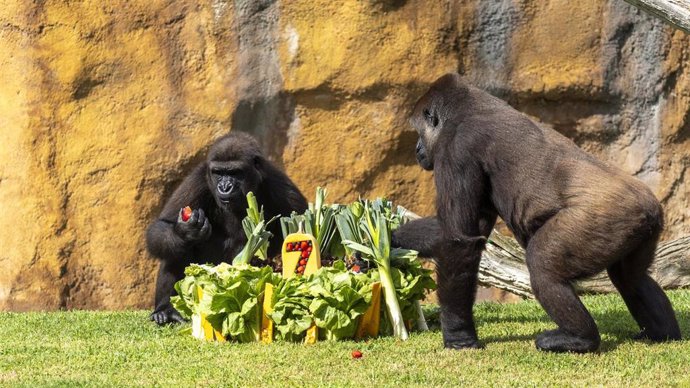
<point>216,189</point>
<point>574,215</point>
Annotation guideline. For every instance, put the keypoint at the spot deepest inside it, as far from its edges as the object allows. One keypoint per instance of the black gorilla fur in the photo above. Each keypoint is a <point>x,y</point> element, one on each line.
<point>216,189</point>
<point>574,215</point>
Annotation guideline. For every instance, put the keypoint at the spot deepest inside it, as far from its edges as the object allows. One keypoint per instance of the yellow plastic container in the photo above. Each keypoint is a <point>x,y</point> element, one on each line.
<point>201,327</point>
<point>369,323</point>
<point>301,256</point>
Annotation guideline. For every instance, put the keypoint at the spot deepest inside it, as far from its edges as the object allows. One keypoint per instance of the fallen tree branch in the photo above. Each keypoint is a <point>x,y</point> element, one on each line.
<point>674,12</point>
<point>503,266</point>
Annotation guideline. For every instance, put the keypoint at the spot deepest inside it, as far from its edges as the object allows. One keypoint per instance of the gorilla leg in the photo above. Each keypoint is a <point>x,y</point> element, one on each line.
<point>168,274</point>
<point>457,265</point>
<point>646,301</point>
<point>550,277</point>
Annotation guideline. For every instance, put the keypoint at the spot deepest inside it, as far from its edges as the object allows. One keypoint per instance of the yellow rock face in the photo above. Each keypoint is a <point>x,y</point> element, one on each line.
<point>104,107</point>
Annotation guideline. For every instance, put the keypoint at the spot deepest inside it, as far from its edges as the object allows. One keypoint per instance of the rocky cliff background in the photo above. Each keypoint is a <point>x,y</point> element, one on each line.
<point>104,106</point>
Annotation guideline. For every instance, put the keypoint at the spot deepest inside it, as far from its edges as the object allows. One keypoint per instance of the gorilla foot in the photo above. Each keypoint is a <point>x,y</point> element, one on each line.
<point>649,335</point>
<point>167,316</point>
<point>463,344</point>
<point>464,339</point>
<point>560,341</point>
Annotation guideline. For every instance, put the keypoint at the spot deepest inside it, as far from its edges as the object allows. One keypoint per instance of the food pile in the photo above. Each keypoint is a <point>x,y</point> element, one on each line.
<point>337,278</point>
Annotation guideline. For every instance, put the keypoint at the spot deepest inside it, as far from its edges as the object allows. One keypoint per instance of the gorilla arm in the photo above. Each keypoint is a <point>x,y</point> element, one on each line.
<point>168,238</point>
<point>466,223</point>
<point>421,235</point>
<point>172,240</point>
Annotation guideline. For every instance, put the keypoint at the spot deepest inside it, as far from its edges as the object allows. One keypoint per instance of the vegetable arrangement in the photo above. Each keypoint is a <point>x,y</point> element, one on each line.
<point>246,303</point>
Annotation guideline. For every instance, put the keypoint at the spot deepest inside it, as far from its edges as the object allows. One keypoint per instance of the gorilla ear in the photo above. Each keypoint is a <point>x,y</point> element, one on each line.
<point>430,118</point>
<point>258,162</point>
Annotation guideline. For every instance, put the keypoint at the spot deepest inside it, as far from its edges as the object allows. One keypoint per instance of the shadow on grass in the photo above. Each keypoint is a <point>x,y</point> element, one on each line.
<point>616,326</point>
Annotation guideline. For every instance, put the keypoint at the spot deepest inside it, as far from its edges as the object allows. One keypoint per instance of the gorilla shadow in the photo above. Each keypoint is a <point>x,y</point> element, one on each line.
<point>617,325</point>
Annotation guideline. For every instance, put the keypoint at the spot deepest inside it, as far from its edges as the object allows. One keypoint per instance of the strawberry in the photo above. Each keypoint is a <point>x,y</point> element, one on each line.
<point>356,354</point>
<point>289,247</point>
<point>305,254</point>
<point>186,213</point>
<point>300,269</point>
<point>303,262</point>
<point>305,245</point>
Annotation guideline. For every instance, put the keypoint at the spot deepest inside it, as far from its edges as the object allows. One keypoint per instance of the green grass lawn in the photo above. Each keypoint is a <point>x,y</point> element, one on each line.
<point>125,349</point>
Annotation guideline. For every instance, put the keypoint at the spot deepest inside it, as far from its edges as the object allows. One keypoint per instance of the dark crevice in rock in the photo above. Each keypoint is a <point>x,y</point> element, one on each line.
<point>264,109</point>
<point>268,119</point>
<point>387,5</point>
<point>84,87</point>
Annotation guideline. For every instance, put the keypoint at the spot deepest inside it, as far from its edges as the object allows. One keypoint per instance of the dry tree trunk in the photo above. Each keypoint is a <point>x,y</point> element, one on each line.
<point>674,12</point>
<point>503,266</point>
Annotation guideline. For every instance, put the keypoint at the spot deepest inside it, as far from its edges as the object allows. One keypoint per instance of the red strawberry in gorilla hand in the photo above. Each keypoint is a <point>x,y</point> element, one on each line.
<point>186,213</point>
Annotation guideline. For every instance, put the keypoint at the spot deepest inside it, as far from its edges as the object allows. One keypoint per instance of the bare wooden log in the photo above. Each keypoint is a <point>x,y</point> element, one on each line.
<point>674,12</point>
<point>503,266</point>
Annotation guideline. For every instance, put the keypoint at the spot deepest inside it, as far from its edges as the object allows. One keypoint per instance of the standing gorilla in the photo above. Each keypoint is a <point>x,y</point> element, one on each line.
<point>574,215</point>
<point>216,189</point>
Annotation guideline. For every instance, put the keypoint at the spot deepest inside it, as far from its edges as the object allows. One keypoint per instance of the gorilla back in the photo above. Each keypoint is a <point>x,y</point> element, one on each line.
<point>574,215</point>
<point>216,189</point>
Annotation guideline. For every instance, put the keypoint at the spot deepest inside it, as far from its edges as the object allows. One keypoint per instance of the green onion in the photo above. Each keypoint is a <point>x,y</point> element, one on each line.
<point>375,245</point>
<point>254,227</point>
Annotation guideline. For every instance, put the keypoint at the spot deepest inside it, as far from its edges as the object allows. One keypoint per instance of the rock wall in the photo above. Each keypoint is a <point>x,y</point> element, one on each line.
<point>104,106</point>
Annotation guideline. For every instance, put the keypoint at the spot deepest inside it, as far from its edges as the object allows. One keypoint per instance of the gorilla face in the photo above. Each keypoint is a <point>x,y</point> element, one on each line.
<point>233,171</point>
<point>427,124</point>
<point>230,181</point>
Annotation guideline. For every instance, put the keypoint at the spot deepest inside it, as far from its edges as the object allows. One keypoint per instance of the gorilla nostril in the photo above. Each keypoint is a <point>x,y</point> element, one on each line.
<point>225,188</point>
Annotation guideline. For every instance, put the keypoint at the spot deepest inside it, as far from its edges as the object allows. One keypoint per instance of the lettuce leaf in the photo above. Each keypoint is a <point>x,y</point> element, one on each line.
<point>339,298</point>
<point>291,315</point>
<point>231,299</point>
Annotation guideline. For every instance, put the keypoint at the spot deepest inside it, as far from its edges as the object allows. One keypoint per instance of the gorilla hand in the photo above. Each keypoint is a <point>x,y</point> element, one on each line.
<point>169,315</point>
<point>196,229</point>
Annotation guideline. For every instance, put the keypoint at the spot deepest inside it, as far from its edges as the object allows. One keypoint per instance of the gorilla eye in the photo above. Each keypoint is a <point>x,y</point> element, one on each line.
<point>431,119</point>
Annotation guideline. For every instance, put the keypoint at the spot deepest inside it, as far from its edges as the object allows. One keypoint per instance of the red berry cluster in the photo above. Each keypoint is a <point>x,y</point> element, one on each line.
<point>304,247</point>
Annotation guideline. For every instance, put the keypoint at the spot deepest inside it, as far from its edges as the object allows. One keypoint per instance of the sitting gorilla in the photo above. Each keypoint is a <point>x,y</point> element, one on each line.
<point>216,189</point>
<point>574,215</point>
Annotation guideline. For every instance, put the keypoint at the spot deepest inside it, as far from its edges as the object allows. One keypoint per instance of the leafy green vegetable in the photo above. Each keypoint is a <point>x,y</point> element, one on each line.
<point>291,315</point>
<point>254,226</point>
<point>339,298</point>
<point>347,221</point>
<point>319,221</point>
<point>376,225</point>
<point>412,281</point>
<point>231,298</point>
<point>334,299</point>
